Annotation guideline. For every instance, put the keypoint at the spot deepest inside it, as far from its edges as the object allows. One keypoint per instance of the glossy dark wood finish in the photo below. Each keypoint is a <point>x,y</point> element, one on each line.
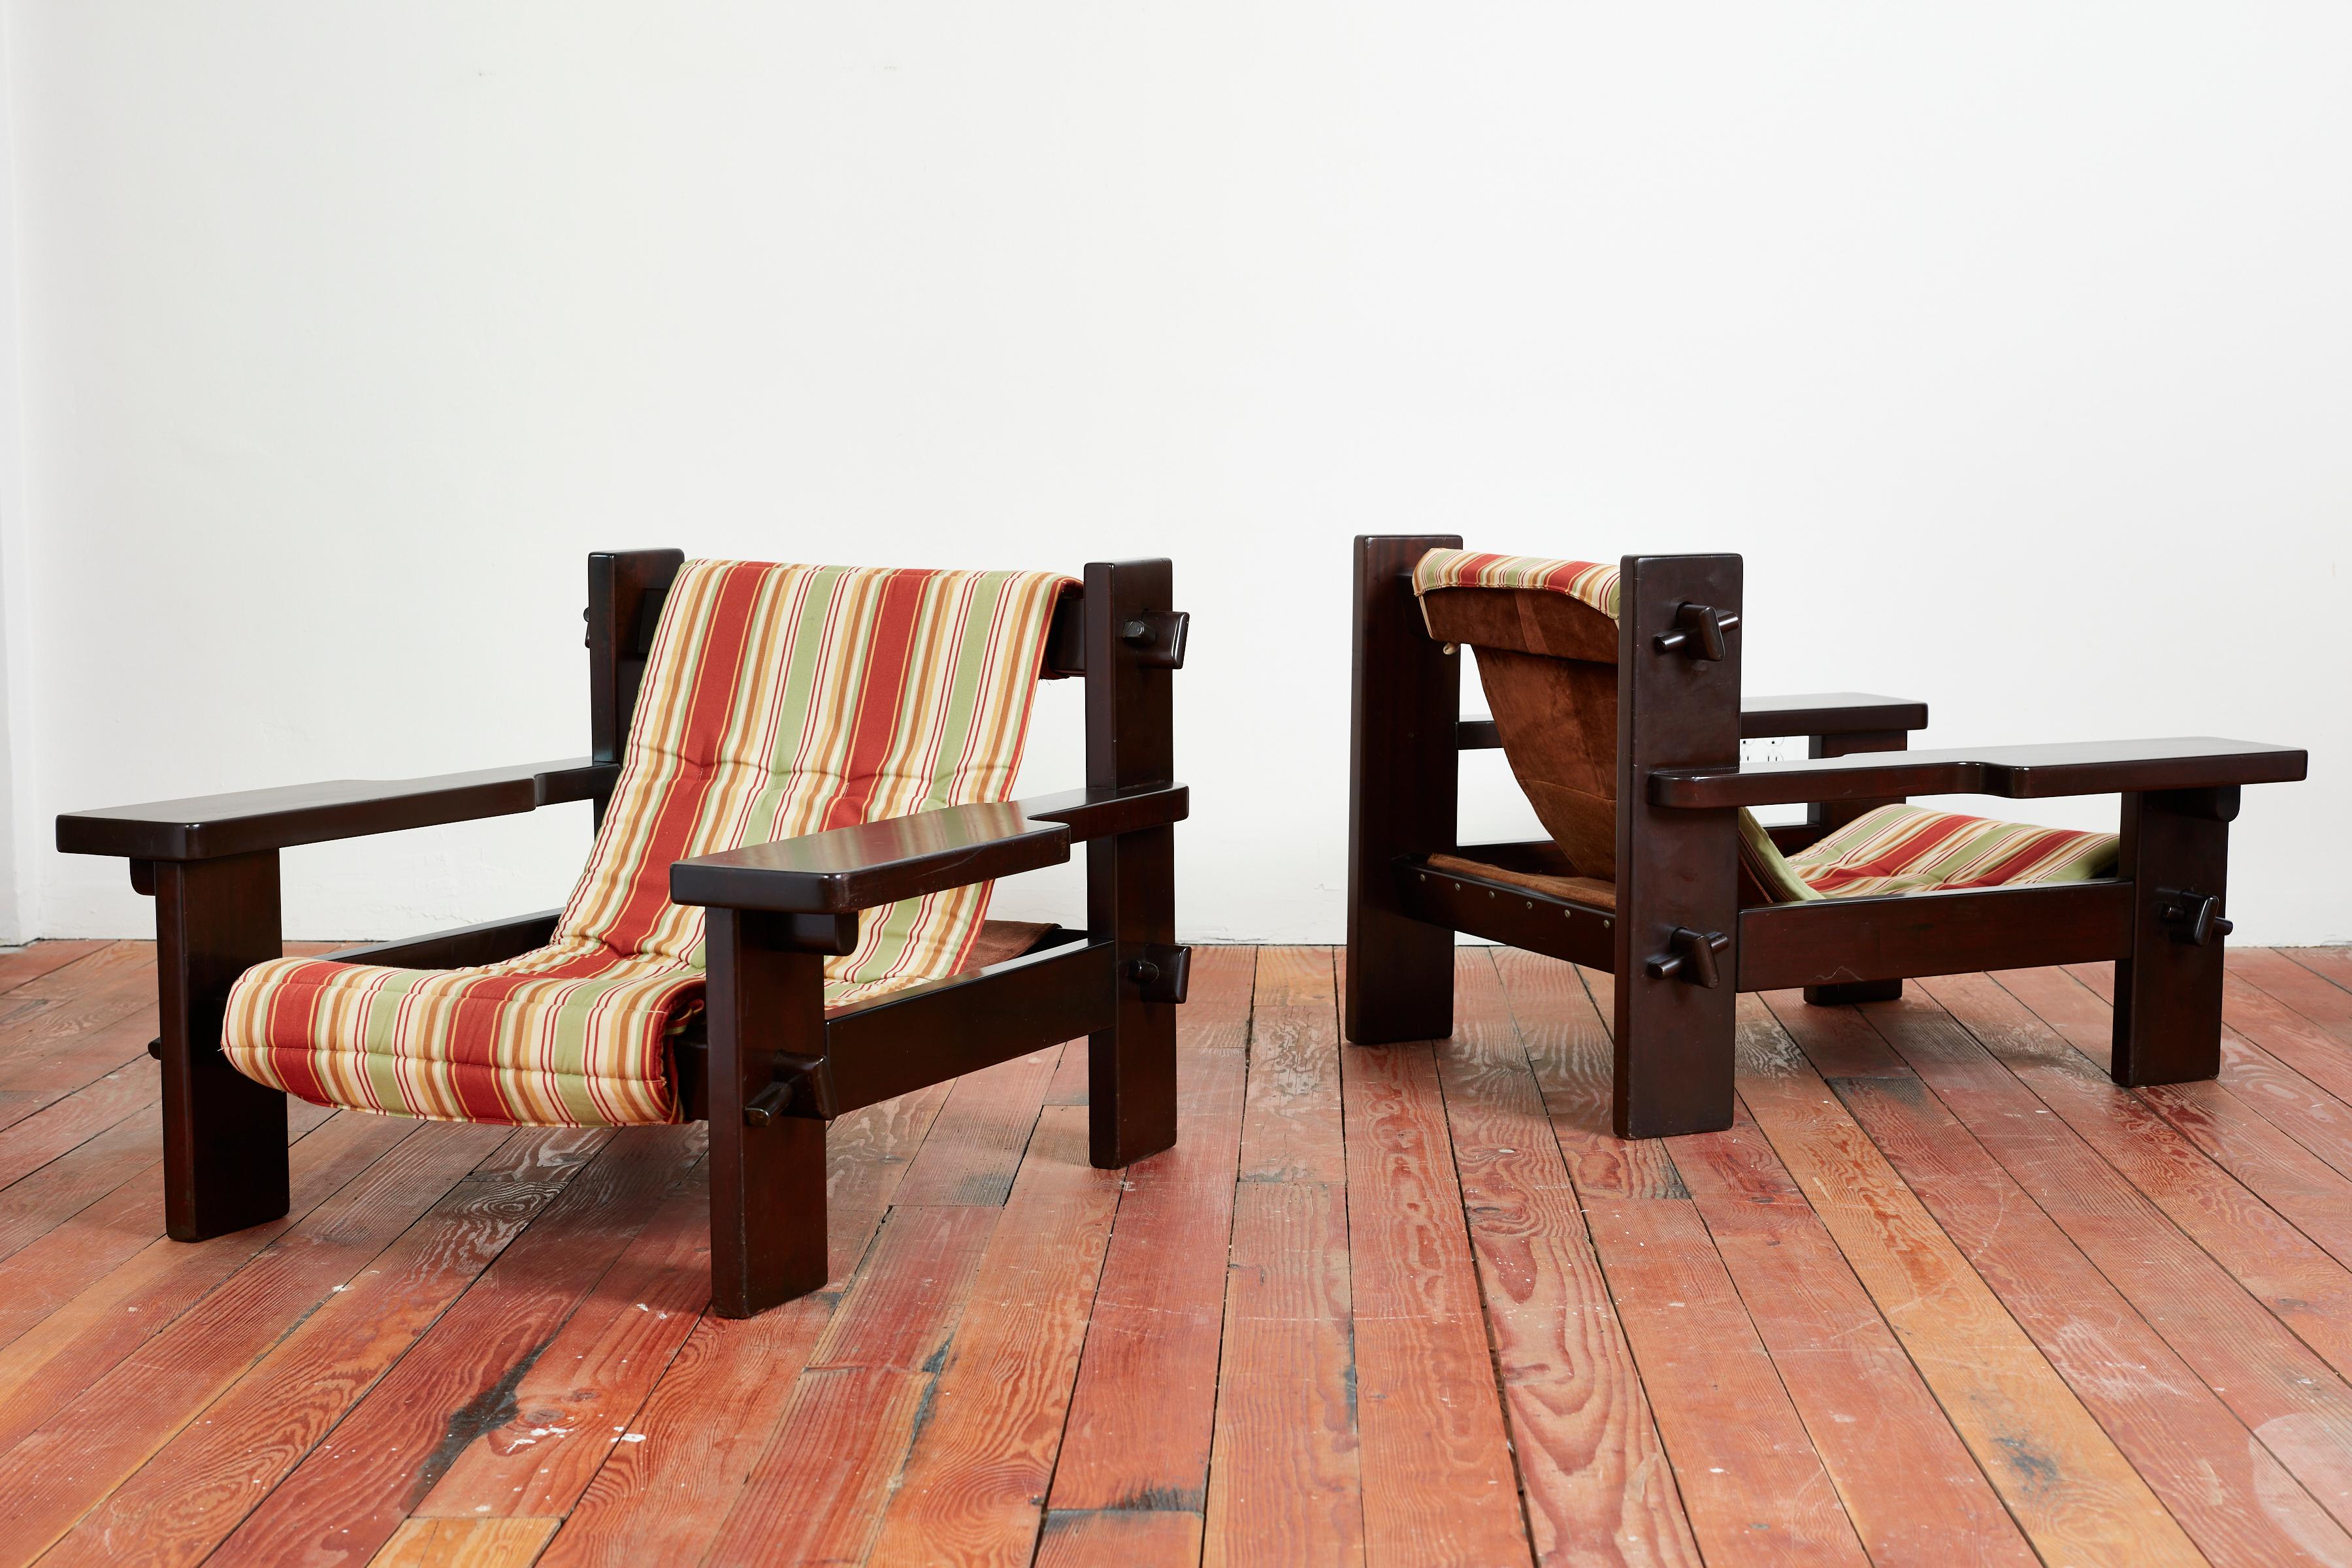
<point>945,1028</point>
<point>207,827</point>
<point>1813,713</point>
<point>626,591</point>
<point>1091,814</point>
<point>224,1163</point>
<point>1501,912</point>
<point>2016,773</point>
<point>1405,705</point>
<point>1132,875</point>
<point>870,864</point>
<point>2168,1021</point>
<point>1829,713</point>
<point>488,942</point>
<point>1837,941</point>
<point>875,863</point>
<point>1676,870</point>
<point>765,1008</point>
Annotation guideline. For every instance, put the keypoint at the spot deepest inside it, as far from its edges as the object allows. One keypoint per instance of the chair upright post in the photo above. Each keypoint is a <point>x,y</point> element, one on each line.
<point>1131,878</point>
<point>2176,850</point>
<point>765,1001</point>
<point>1678,878</point>
<point>1403,784</point>
<point>224,1161</point>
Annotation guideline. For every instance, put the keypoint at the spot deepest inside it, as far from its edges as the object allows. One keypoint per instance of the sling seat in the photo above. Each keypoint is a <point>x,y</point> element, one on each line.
<point>1548,667</point>
<point>777,701</point>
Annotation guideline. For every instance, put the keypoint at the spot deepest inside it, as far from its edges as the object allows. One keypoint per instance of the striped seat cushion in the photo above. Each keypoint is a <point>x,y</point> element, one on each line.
<point>1904,849</point>
<point>1587,582</point>
<point>777,701</point>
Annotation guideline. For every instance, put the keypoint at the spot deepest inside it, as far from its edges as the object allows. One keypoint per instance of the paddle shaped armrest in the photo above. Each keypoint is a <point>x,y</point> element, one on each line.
<point>2018,773</point>
<point>207,827</point>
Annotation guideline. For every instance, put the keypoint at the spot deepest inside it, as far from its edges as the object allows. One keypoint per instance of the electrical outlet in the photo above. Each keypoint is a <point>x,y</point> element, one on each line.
<point>1773,749</point>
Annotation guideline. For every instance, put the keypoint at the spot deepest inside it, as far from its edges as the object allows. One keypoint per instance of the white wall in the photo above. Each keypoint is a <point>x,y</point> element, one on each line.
<point>2011,345</point>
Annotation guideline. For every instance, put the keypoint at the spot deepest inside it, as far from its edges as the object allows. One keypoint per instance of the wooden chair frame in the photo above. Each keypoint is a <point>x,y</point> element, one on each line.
<point>1678,930</point>
<point>771,1068</point>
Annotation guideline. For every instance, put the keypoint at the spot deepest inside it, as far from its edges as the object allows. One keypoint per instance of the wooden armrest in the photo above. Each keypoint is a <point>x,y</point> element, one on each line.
<point>874,863</point>
<point>1827,713</point>
<point>900,857</point>
<point>1106,813</point>
<point>2018,773</point>
<point>210,826</point>
<point>1809,713</point>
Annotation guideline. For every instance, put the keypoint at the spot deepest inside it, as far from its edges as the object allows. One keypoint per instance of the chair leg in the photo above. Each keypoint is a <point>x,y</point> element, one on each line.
<point>225,1162</point>
<point>2176,850</point>
<point>768,1242</point>
<point>1854,990</point>
<point>1131,1066</point>
<point>1402,785</point>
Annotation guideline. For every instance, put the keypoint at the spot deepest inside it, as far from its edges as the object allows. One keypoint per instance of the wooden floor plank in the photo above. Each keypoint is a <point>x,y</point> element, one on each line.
<point>1290,1126</point>
<point>39,1277</point>
<point>345,1500</point>
<point>196,1487</point>
<point>1223,984</point>
<point>1720,1406</point>
<point>664,1500</point>
<point>1129,1538</point>
<point>1910,1488</point>
<point>2287,1272</point>
<point>1560,1011</point>
<point>1753,1486</point>
<point>594,1375</point>
<point>2072,1492</point>
<point>1439,1486</point>
<point>71,1120</point>
<point>86,1445</point>
<point>976,1143</point>
<point>35,1205</point>
<point>1968,1149</point>
<point>21,965</point>
<point>2282,1097</point>
<point>2333,964</point>
<point>1597,1487</point>
<point>1284,1481</point>
<point>464,1543</point>
<point>1144,1410</point>
<point>113,989</point>
<point>979,1467</point>
<point>815,1493</point>
<point>67,1348</point>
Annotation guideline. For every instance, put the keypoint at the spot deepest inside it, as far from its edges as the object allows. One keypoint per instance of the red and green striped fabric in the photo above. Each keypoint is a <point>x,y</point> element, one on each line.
<point>1587,582</point>
<point>1904,849</point>
<point>778,701</point>
<point>1898,848</point>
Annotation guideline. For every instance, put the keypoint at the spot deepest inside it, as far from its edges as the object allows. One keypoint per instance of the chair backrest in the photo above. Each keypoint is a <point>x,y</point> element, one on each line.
<point>1547,640</point>
<point>776,701</point>
<point>1562,675</point>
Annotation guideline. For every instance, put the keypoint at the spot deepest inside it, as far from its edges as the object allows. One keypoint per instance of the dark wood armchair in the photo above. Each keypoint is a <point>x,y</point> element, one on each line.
<point>766,1060</point>
<point>1625,723</point>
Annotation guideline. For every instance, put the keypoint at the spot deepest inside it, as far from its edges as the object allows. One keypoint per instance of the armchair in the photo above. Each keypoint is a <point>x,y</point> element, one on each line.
<point>869,724</point>
<point>1616,697</point>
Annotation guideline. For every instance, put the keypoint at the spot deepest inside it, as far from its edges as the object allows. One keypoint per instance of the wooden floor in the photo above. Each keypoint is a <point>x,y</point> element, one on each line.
<point>1942,1296</point>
